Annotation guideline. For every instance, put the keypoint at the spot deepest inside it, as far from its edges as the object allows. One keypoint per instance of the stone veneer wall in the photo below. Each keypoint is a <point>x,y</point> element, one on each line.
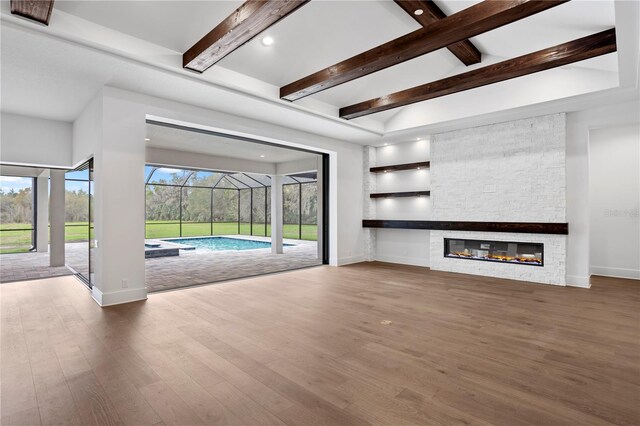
<point>505,172</point>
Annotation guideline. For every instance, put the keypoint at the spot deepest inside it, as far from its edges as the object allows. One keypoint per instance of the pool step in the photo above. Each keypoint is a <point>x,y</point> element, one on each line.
<point>161,252</point>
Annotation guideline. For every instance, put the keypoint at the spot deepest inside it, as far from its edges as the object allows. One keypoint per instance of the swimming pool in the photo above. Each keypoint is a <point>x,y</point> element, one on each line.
<point>221,243</point>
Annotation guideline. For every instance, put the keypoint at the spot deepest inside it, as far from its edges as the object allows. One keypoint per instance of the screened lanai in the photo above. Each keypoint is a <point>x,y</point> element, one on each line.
<point>200,208</point>
<point>190,203</point>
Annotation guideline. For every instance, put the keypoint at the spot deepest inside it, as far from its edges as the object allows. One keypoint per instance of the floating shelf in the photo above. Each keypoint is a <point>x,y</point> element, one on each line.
<point>399,167</point>
<point>400,194</point>
<point>512,227</point>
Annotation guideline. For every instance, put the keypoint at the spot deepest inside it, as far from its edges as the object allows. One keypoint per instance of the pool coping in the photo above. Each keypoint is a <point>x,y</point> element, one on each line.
<point>168,241</point>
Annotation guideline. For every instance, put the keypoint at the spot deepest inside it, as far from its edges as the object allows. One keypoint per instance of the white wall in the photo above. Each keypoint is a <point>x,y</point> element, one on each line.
<point>87,131</point>
<point>403,246</point>
<point>579,125</point>
<point>34,141</point>
<point>614,199</point>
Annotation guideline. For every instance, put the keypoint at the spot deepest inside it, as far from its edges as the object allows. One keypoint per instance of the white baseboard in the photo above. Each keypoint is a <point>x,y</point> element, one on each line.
<point>118,297</point>
<point>351,259</point>
<point>414,261</point>
<point>578,281</point>
<point>606,271</point>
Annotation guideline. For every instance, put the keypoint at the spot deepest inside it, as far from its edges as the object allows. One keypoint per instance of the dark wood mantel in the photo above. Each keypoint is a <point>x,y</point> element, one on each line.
<point>400,194</point>
<point>400,167</point>
<point>512,227</point>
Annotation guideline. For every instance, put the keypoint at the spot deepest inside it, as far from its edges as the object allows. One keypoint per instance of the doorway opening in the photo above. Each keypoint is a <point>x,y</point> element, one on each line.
<point>210,212</point>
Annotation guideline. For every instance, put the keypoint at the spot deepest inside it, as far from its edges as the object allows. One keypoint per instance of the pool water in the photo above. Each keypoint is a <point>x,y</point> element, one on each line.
<point>222,243</point>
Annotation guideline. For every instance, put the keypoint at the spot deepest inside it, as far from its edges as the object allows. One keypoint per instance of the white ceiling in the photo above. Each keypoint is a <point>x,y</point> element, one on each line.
<point>176,25</point>
<point>201,143</point>
<point>52,72</point>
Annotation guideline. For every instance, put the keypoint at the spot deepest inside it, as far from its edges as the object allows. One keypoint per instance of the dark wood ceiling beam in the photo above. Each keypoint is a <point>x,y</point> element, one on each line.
<point>463,50</point>
<point>477,19</point>
<point>562,54</point>
<point>247,21</point>
<point>36,10</point>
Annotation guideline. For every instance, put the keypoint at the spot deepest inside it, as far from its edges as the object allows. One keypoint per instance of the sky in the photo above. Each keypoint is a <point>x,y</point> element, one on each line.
<point>7,183</point>
<point>164,173</point>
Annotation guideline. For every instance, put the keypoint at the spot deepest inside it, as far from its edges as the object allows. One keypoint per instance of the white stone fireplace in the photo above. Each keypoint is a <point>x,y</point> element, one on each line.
<point>506,172</point>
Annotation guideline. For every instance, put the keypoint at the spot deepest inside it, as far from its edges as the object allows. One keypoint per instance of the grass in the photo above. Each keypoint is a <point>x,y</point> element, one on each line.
<point>20,241</point>
<point>14,241</point>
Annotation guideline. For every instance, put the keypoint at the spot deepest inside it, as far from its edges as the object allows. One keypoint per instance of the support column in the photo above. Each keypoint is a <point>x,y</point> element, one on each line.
<point>42,215</point>
<point>119,203</point>
<point>276,214</point>
<point>56,209</point>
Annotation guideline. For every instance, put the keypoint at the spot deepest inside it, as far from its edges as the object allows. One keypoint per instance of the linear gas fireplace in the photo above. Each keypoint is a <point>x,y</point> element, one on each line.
<point>519,253</point>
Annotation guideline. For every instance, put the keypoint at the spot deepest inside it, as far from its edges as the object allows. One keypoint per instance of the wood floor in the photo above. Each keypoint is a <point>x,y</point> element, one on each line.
<point>308,348</point>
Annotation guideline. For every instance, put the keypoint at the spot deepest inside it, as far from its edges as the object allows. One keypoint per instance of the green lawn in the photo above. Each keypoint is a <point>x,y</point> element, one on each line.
<point>20,241</point>
<point>14,241</point>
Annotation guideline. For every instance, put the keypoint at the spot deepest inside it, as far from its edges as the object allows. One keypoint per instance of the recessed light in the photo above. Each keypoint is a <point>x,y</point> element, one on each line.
<point>262,156</point>
<point>418,12</point>
<point>386,144</point>
<point>147,139</point>
<point>267,41</point>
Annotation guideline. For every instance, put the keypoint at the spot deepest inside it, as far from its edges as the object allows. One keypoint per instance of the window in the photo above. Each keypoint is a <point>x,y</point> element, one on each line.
<point>17,214</point>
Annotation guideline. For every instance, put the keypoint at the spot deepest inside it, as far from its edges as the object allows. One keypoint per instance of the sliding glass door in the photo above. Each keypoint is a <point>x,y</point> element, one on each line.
<point>79,231</point>
<point>92,234</point>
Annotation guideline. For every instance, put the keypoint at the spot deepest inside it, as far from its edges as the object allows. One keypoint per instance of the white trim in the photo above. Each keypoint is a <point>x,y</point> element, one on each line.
<point>413,261</point>
<point>578,281</point>
<point>118,297</point>
<point>608,271</point>
<point>350,260</point>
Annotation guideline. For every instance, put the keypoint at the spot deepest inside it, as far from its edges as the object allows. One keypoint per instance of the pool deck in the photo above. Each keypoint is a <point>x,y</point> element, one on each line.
<point>28,266</point>
<point>195,267</point>
<point>191,267</point>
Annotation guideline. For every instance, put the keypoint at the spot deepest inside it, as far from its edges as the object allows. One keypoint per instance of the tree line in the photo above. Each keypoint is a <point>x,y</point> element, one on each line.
<point>163,204</point>
<point>17,206</point>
